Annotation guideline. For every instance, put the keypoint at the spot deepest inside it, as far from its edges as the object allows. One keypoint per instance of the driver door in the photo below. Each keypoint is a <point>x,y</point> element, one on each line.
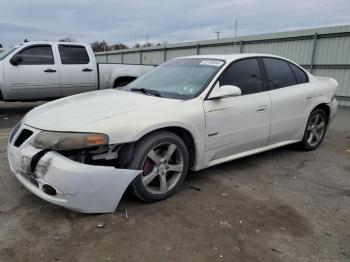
<point>35,77</point>
<point>238,124</point>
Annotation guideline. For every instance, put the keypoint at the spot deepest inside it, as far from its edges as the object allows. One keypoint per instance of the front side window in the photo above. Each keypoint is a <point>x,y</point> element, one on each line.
<point>244,74</point>
<point>73,55</point>
<point>37,55</point>
<point>279,73</point>
<point>179,78</point>
<point>5,53</point>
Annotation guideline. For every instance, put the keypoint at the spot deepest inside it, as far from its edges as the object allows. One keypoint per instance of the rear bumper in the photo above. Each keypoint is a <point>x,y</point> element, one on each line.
<point>80,187</point>
<point>333,105</point>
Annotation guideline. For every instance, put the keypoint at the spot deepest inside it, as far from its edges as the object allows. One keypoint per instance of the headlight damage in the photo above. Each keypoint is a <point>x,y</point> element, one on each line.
<point>86,148</point>
<point>69,141</point>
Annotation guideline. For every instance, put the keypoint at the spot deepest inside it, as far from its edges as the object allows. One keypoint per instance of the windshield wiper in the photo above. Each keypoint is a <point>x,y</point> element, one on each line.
<point>147,91</point>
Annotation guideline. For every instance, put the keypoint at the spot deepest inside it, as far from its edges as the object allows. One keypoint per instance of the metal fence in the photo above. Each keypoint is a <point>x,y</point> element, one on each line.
<point>323,51</point>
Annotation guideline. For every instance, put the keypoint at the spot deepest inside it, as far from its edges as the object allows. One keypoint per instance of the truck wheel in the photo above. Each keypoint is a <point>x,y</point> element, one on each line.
<point>315,130</point>
<point>164,159</point>
<point>123,81</point>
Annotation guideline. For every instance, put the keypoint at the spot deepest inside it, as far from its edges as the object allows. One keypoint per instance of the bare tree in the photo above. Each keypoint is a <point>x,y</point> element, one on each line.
<point>100,46</point>
<point>147,45</point>
<point>119,46</point>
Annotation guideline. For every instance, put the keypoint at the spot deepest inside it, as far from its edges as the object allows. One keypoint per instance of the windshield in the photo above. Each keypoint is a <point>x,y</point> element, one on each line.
<point>179,78</point>
<point>5,53</point>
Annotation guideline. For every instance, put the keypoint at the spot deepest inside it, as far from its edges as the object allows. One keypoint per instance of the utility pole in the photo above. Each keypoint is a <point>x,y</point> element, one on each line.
<point>236,30</point>
<point>104,46</point>
<point>147,40</point>
<point>217,34</point>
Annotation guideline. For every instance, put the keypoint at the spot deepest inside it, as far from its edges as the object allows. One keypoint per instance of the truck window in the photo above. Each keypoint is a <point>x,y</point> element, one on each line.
<point>73,55</point>
<point>37,55</point>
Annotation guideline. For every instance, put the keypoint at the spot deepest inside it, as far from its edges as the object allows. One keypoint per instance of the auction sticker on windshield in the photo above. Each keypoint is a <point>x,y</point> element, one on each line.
<point>211,63</point>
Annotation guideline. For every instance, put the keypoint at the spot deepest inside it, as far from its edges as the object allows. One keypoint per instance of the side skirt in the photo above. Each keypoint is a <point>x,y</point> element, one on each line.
<point>250,152</point>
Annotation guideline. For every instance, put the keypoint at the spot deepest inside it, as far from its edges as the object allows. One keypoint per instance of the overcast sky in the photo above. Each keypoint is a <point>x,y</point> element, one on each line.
<point>172,21</point>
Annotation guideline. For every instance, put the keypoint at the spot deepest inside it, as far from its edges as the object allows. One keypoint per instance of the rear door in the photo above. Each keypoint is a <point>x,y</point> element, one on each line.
<point>242,123</point>
<point>78,70</point>
<point>35,77</point>
<point>291,97</point>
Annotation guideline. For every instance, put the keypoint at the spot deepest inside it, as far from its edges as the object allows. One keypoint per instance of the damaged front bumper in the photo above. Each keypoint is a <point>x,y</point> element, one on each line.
<point>62,181</point>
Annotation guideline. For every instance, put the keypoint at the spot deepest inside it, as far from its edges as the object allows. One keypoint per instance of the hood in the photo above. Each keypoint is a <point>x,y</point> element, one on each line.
<point>70,113</point>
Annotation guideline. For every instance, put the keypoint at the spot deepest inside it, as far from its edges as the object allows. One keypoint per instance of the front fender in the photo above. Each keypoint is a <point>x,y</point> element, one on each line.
<point>130,127</point>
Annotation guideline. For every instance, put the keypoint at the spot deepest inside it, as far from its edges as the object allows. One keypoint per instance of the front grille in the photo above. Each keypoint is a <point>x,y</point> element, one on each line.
<point>14,131</point>
<point>23,136</point>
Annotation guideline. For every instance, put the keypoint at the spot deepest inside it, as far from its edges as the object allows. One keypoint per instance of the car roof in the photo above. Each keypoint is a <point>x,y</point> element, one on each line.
<point>230,58</point>
<point>51,42</point>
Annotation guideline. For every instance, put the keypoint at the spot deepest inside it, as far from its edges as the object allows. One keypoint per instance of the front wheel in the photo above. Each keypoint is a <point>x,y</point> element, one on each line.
<point>164,159</point>
<point>315,130</point>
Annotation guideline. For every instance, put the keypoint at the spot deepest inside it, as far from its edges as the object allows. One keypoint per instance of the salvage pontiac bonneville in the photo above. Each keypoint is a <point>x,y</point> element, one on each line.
<point>82,152</point>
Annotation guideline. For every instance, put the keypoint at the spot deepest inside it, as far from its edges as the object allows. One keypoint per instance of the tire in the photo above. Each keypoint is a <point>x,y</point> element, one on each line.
<point>123,81</point>
<point>121,84</point>
<point>315,130</point>
<point>163,156</point>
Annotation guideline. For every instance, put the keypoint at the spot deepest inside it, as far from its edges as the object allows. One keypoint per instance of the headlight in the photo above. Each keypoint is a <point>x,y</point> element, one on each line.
<point>68,141</point>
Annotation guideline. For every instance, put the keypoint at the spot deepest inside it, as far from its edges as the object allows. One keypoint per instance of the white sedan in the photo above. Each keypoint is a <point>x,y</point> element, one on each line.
<point>82,152</point>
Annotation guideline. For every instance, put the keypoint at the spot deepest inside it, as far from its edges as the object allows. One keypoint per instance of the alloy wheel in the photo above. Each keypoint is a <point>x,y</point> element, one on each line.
<point>162,168</point>
<point>315,129</point>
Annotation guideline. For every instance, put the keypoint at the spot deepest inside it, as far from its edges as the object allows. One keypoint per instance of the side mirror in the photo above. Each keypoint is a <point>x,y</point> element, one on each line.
<point>225,91</point>
<point>16,60</point>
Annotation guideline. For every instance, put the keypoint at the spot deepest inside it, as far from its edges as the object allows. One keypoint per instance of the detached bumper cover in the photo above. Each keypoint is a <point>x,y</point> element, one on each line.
<point>333,105</point>
<point>80,187</point>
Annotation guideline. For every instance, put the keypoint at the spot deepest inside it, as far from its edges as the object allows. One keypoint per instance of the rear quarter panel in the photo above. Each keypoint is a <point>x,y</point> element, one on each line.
<point>327,87</point>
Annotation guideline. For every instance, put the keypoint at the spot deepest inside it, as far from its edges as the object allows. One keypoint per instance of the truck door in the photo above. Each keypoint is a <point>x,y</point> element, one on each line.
<point>78,70</point>
<point>34,75</point>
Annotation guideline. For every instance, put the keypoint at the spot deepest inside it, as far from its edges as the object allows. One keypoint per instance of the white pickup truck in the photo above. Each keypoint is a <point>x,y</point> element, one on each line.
<point>44,70</point>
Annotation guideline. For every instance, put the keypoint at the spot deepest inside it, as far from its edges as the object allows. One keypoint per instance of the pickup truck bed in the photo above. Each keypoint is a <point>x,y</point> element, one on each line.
<point>116,75</point>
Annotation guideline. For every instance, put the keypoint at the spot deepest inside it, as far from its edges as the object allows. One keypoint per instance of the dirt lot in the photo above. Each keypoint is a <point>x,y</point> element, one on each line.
<point>282,205</point>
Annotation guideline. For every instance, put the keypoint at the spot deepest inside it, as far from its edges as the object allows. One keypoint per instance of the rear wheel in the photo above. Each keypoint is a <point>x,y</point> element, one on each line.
<point>164,159</point>
<point>315,130</point>
<point>123,81</point>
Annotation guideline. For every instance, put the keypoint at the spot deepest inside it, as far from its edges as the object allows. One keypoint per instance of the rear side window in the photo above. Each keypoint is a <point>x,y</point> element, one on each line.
<point>244,74</point>
<point>279,73</point>
<point>37,55</point>
<point>299,74</point>
<point>73,55</point>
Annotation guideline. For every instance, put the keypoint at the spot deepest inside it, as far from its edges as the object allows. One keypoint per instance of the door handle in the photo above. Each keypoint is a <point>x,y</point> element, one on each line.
<point>261,109</point>
<point>49,70</point>
<point>87,70</point>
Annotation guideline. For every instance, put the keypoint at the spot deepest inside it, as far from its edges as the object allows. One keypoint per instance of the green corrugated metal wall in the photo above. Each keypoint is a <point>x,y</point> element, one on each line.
<point>324,51</point>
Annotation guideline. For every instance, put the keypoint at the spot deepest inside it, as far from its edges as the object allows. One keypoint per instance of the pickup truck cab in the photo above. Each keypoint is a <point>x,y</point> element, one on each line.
<point>44,70</point>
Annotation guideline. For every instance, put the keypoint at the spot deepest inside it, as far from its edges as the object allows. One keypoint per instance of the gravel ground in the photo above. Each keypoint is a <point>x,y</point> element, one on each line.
<point>282,205</point>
